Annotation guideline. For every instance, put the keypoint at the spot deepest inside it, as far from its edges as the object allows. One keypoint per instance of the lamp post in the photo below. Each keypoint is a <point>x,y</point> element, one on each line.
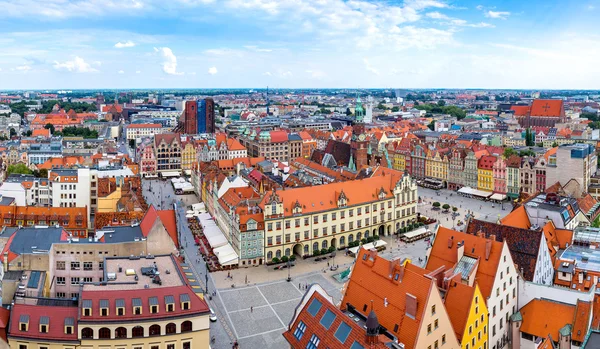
<point>453,218</point>
<point>289,267</point>
<point>206,276</point>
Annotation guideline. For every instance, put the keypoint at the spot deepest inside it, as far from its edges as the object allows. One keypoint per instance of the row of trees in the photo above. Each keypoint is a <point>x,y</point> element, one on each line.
<point>71,131</point>
<point>441,108</point>
<point>445,207</point>
<point>78,107</point>
<point>23,169</point>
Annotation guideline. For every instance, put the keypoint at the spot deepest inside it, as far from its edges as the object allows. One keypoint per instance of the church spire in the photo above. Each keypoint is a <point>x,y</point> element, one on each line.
<point>358,110</point>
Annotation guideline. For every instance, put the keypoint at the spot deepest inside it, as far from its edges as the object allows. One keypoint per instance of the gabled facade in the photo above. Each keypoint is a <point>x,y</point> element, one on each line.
<point>499,173</point>
<point>470,170</point>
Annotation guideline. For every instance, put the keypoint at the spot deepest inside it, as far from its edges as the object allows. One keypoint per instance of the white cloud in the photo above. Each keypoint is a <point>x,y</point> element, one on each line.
<point>77,65</point>
<point>480,7</point>
<point>170,61</point>
<point>121,72</point>
<point>437,15</point>
<point>23,68</point>
<point>497,14</point>
<point>267,73</point>
<point>369,67</point>
<point>124,44</point>
<point>257,49</point>
<point>138,71</point>
<point>212,70</point>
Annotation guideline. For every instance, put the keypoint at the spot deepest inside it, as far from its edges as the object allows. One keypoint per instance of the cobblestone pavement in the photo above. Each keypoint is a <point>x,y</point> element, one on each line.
<point>482,210</point>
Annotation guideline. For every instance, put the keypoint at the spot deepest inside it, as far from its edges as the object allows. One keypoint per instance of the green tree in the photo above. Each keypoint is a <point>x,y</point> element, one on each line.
<point>454,208</point>
<point>50,127</point>
<point>508,152</point>
<point>13,132</point>
<point>132,143</point>
<point>395,109</point>
<point>446,207</point>
<point>441,103</point>
<point>554,145</point>
<point>436,204</point>
<point>348,111</point>
<point>18,169</point>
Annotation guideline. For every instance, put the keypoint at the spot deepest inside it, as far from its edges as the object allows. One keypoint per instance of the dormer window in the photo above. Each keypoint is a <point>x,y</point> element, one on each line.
<point>137,306</point>
<point>104,311</point>
<point>69,325</point>
<point>184,299</point>
<point>24,322</point>
<point>170,303</point>
<point>120,303</point>
<point>153,301</point>
<point>44,324</point>
<point>274,208</point>
<point>87,307</point>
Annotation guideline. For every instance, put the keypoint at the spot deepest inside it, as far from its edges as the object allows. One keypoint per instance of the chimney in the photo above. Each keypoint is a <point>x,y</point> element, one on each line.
<point>488,248</point>
<point>579,275</point>
<point>493,237</point>
<point>450,241</point>
<point>460,250</point>
<point>411,306</point>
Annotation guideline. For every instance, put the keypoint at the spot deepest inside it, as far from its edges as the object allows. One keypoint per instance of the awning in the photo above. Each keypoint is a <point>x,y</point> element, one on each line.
<point>465,190</point>
<point>170,174</point>
<point>414,233</point>
<point>498,196</point>
<point>375,244</point>
<point>481,193</point>
<point>226,255</point>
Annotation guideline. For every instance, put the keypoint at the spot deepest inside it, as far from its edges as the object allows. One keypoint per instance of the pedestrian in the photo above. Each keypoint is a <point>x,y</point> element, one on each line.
<point>299,286</point>
<point>251,309</point>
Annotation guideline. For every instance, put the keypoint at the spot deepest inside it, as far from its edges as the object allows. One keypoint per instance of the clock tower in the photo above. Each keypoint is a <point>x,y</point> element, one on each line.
<point>358,144</point>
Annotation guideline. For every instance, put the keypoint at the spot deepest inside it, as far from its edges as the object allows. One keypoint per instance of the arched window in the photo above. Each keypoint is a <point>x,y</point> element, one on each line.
<point>104,333</point>
<point>287,252</point>
<point>171,328</point>
<point>315,246</point>
<point>270,255</point>
<point>324,244</point>
<point>154,330</point>
<point>350,238</point>
<point>366,234</point>
<point>186,326</point>
<point>278,253</point>
<point>121,332</point>
<point>358,236</point>
<point>305,248</point>
<point>137,331</point>
<point>342,241</point>
<point>87,332</point>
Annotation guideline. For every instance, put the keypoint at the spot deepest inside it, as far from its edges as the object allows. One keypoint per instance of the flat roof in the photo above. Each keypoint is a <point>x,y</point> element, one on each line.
<point>585,257</point>
<point>166,266</point>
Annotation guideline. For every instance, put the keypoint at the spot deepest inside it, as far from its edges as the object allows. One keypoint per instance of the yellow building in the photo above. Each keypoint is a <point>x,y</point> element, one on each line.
<point>399,161</point>
<point>436,166</point>
<point>135,315</point>
<point>304,221</point>
<point>469,315</point>
<point>188,155</point>
<point>485,178</point>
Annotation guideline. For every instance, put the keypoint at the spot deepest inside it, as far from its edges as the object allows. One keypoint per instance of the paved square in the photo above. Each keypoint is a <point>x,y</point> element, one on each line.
<point>242,298</point>
<point>273,305</point>
<point>260,320</point>
<point>280,292</point>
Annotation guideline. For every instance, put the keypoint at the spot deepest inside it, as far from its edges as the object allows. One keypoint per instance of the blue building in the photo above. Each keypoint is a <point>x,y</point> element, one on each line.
<point>201,116</point>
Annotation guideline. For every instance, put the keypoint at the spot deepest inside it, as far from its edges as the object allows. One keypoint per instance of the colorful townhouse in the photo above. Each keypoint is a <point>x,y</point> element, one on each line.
<point>513,176</point>
<point>499,175</point>
<point>485,178</point>
<point>468,313</point>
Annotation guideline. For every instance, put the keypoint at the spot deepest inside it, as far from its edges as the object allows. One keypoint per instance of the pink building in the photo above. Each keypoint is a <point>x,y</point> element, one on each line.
<point>499,174</point>
<point>147,160</point>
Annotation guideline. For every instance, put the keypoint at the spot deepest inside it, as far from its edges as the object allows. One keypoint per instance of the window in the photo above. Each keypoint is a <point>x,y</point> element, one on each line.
<point>315,219</point>
<point>100,265</point>
<point>435,345</point>
<point>435,324</point>
<point>75,266</point>
<point>433,310</point>
<point>327,319</point>
<point>443,339</point>
<point>120,332</point>
<point>342,332</point>
<point>87,279</point>
<point>314,342</point>
<point>171,328</point>
<point>314,307</point>
<point>87,266</point>
<point>429,329</point>
<point>104,333</point>
<point>60,265</point>
<point>74,281</point>
<point>299,331</point>
<point>154,330</point>
<point>87,333</point>
<point>60,280</point>
<point>170,346</point>
<point>186,326</point>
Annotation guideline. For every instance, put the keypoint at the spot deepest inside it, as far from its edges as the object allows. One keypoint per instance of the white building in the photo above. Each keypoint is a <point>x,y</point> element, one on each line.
<point>135,131</point>
<point>70,188</point>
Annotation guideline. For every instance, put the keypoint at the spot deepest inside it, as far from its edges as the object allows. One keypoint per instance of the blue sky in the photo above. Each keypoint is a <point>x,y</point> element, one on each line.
<point>299,43</point>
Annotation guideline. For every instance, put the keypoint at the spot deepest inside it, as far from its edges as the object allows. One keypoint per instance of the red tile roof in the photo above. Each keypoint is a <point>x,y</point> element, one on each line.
<point>520,110</point>
<point>56,325</point>
<point>543,317</point>
<point>148,220</point>
<point>547,107</point>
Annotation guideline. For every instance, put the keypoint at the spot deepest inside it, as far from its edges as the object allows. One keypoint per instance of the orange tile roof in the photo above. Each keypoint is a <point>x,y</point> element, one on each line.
<point>543,317</point>
<point>442,256</point>
<point>517,218</point>
<point>583,311</point>
<point>234,144</point>
<point>520,110</point>
<point>66,161</point>
<point>145,126</point>
<point>325,197</point>
<point>550,152</point>
<point>547,107</point>
<point>458,300</point>
<point>168,219</point>
<point>372,279</point>
<point>41,133</point>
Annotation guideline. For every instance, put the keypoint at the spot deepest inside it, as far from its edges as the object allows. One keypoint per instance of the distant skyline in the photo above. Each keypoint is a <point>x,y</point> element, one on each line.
<point>95,44</point>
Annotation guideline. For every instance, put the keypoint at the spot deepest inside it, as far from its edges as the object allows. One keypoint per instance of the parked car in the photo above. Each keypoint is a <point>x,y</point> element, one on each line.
<point>212,317</point>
